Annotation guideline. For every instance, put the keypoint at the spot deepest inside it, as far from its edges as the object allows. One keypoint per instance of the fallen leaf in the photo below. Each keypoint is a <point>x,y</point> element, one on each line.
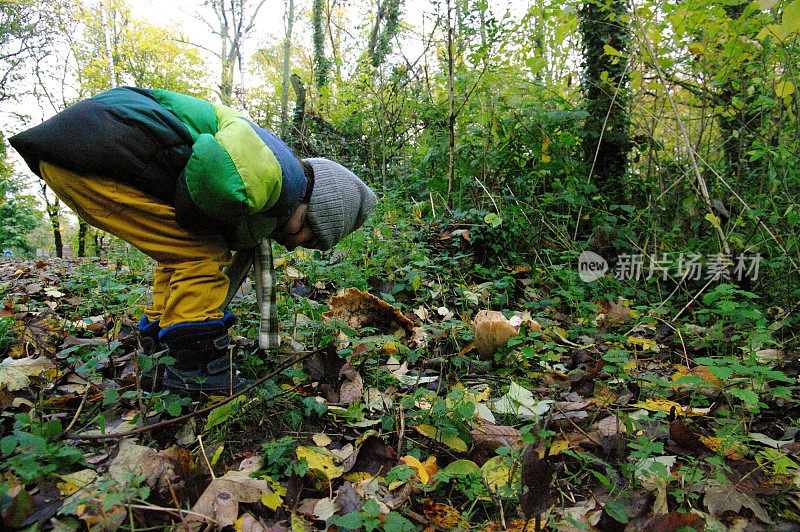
<point>348,499</point>
<point>72,482</point>
<point>441,516</point>
<point>326,508</point>
<point>425,470</point>
<point>450,440</point>
<point>720,498</point>
<point>351,389</point>
<point>665,405</point>
<point>497,473</point>
<point>319,461</point>
<point>610,426</point>
<point>248,523</point>
<point>729,449</point>
<point>520,402</point>
<point>493,436</point>
<point>684,437</point>
<point>322,440</point>
<point>647,344</point>
<point>372,456</point>
<point>536,480</point>
<point>16,374</point>
<point>220,501</point>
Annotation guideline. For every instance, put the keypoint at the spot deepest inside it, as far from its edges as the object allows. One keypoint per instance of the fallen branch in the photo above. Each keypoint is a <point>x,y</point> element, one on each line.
<point>190,415</point>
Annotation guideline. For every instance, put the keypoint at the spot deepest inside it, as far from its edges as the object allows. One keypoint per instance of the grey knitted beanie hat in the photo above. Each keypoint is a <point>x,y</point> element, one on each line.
<point>340,202</point>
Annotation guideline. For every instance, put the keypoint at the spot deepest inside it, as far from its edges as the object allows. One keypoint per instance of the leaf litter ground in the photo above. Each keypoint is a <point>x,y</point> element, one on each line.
<point>393,421</point>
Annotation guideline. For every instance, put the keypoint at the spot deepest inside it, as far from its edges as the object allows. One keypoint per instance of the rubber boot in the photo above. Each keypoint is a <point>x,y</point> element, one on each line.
<point>202,357</point>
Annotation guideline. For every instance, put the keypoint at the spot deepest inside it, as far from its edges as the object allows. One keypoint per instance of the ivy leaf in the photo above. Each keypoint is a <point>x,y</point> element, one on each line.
<point>610,50</point>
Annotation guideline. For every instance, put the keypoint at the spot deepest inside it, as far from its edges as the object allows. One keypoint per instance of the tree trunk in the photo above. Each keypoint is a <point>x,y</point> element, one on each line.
<point>83,230</point>
<point>112,78</point>
<point>299,109</point>
<point>451,117</point>
<point>55,221</point>
<point>287,53</point>
<point>606,142</point>
<point>320,61</point>
<point>233,26</point>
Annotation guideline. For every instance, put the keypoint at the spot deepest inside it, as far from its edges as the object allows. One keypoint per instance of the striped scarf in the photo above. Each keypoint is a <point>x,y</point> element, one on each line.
<point>261,260</point>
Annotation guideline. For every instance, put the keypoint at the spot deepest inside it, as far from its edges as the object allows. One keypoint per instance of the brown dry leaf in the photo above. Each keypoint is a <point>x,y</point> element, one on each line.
<point>168,471</point>
<point>373,456</point>
<point>15,374</point>
<point>220,501</point>
<point>42,334</point>
<point>684,437</point>
<point>248,523</point>
<point>441,516</point>
<point>351,389</point>
<point>492,436</point>
<point>324,365</point>
<point>536,479</point>
<point>348,499</point>
<point>610,426</point>
<point>674,521</point>
<point>360,309</point>
<point>721,498</point>
<point>492,330</point>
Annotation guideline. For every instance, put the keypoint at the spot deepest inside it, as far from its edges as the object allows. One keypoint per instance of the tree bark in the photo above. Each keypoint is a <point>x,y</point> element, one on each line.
<point>55,221</point>
<point>233,25</point>
<point>606,144</point>
<point>287,53</point>
<point>299,109</point>
<point>451,116</point>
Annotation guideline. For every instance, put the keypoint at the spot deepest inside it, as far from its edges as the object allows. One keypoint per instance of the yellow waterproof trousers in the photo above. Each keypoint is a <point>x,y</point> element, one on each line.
<point>188,284</point>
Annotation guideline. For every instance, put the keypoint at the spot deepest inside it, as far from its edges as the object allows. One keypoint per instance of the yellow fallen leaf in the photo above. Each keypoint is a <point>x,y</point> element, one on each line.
<point>357,477</point>
<point>558,446</point>
<point>451,440</point>
<point>644,342</point>
<point>441,516</point>
<point>320,462</point>
<point>497,474</point>
<point>417,466</point>
<point>75,481</point>
<point>425,470</point>
<point>275,499</point>
<point>665,405</point>
<point>322,440</point>
<point>701,372</point>
<point>730,449</point>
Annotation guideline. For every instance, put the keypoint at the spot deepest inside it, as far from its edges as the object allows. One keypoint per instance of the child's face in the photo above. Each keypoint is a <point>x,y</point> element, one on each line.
<point>297,231</point>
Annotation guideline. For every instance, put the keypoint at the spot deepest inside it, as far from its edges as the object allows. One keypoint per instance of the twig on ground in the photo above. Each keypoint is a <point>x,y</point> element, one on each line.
<point>200,412</point>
